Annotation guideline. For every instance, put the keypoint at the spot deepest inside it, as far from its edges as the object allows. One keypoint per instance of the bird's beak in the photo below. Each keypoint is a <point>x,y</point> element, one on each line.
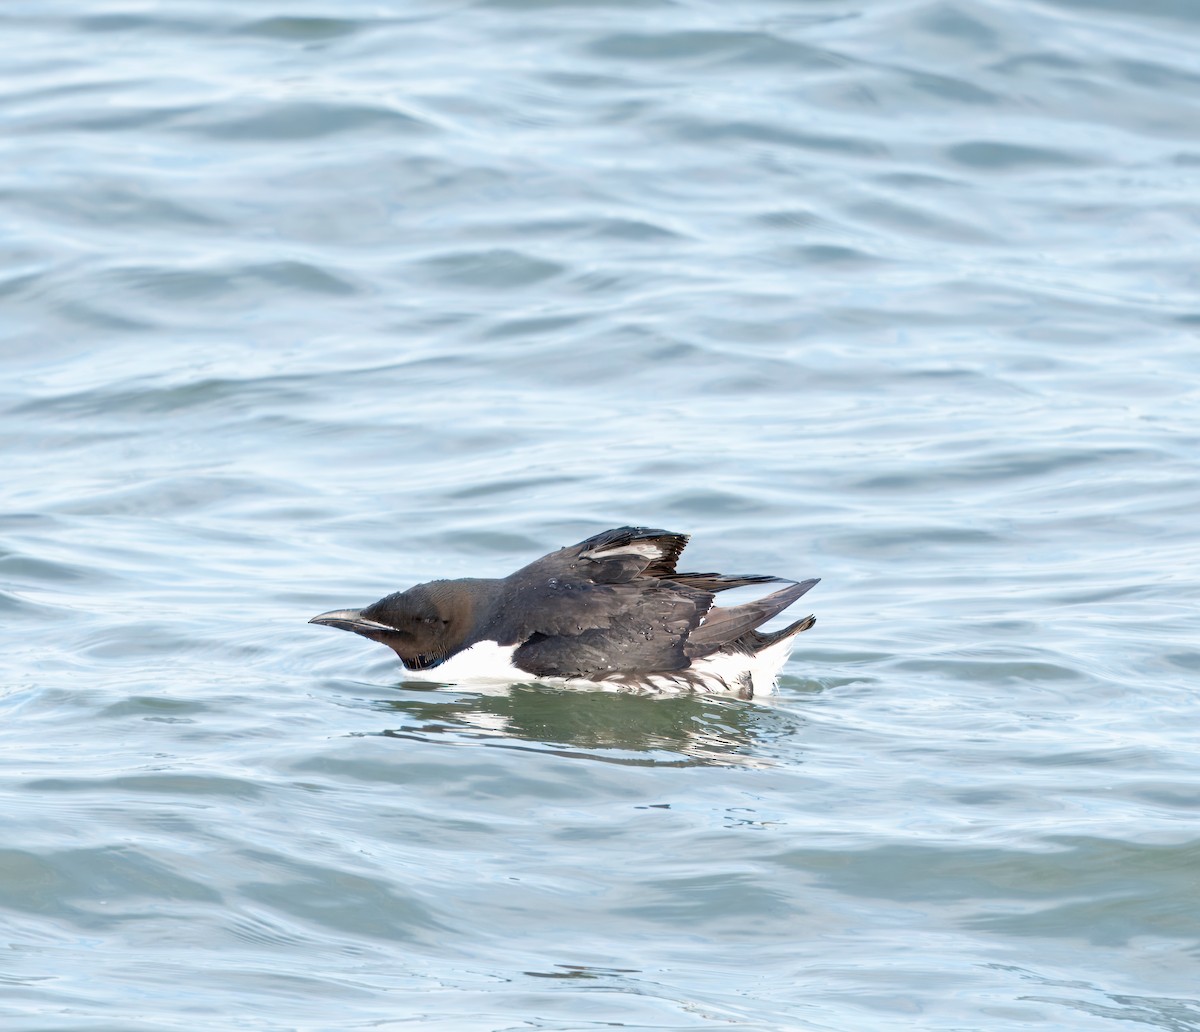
<point>352,620</point>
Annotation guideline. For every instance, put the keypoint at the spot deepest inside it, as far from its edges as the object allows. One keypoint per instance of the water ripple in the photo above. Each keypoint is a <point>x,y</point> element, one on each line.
<point>303,307</point>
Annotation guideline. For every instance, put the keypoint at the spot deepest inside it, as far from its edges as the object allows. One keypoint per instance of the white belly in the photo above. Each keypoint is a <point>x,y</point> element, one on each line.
<point>483,661</point>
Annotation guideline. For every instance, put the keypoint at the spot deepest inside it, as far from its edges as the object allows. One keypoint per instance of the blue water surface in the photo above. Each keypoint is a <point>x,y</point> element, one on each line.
<point>303,304</point>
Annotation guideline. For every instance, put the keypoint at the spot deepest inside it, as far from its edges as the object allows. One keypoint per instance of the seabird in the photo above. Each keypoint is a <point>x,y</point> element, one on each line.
<point>608,611</point>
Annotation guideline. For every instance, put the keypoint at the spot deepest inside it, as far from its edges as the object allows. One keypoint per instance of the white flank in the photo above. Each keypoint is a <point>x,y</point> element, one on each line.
<point>733,672</point>
<point>724,673</point>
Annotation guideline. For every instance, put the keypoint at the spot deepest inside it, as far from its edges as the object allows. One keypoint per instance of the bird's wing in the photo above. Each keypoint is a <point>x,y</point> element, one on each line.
<point>614,629</point>
<point>720,581</point>
<point>613,557</point>
<point>563,604</point>
<point>611,578</point>
<point>613,604</point>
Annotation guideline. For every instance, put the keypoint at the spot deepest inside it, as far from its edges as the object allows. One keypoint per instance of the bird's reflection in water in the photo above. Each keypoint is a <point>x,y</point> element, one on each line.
<point>613,727</point>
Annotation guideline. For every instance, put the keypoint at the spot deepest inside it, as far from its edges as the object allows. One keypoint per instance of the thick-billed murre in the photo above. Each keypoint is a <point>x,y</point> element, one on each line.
<point>610,610</point>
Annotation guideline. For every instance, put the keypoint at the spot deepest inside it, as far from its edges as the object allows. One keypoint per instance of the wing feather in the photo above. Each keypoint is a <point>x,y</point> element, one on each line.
<point>723,626</point>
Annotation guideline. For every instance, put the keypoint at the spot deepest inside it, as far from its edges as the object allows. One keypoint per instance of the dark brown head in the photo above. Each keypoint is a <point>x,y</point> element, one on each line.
<point>423,625</point>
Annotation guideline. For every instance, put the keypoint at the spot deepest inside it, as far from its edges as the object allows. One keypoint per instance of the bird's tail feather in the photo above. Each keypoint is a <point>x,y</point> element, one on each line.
<point>723,627</point>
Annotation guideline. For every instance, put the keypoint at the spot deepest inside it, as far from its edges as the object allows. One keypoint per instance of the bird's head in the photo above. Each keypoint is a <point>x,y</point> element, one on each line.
<point>423,625</point>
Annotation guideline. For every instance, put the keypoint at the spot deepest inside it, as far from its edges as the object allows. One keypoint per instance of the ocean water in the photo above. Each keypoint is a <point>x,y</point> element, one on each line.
<point>301,304</point>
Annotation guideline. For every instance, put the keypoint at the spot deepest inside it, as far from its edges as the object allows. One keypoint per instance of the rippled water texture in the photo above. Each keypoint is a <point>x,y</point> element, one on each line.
<point>301,305</point>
